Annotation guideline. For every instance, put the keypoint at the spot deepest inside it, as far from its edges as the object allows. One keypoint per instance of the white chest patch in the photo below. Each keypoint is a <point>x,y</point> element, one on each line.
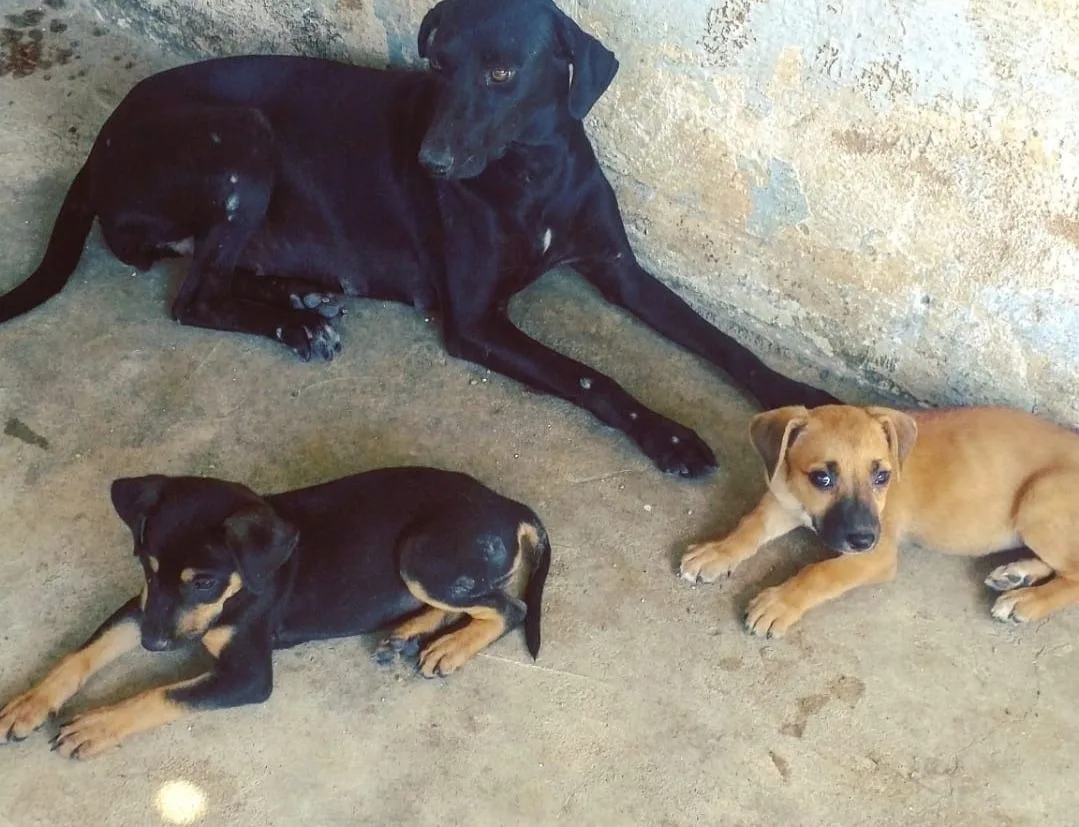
<point>547,239</point>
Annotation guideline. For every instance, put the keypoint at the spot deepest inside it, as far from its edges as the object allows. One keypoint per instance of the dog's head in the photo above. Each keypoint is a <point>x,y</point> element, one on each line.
<point>834,464</point>
<point>510,72</point>
<point>201,542</point>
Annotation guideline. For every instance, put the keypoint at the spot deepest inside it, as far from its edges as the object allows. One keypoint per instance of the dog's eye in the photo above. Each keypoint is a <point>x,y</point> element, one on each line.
<point>204,582</point>
<point>821,479</point>
<point>881,476</point>
<point>500,75</point>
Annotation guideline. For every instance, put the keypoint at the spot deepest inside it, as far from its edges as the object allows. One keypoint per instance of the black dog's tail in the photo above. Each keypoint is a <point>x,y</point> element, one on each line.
<point>540,552</point>
<point>62,256</point>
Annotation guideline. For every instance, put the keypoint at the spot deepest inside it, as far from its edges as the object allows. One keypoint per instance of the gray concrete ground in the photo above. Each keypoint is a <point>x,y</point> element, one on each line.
<point>900,705</point>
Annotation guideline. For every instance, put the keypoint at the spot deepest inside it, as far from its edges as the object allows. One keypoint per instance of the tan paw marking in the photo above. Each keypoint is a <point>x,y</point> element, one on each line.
<point>707,562</point>
<point>24,714</point>
<point>770,613</point>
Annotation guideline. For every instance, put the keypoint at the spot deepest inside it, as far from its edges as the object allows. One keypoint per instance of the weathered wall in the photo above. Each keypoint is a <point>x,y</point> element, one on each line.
<point>885,189</point>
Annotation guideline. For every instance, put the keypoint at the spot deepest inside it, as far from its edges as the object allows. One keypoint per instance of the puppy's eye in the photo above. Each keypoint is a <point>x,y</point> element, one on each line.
<point>881,477</point>
<point>821,479</point>
<point>500,75</point>
<point>203,582</point>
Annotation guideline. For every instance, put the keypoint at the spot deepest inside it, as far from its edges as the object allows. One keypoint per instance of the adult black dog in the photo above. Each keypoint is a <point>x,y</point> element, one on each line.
<point>292,181</point>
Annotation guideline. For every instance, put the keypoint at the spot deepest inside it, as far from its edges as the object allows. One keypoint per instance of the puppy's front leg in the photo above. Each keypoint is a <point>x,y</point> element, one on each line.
<point>117,635</point>
<point>705,562</point>
<point>243,674</point>
<point>775,610</point>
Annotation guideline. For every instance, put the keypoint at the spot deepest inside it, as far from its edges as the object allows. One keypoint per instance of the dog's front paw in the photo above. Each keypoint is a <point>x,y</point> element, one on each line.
<point>389,649</point>
<point>674,449</point>
<point>1023,605</point>
<point>314,336</point>
<point>91,734</point>
<point>23,714</point>
<point>707,562</point>
<point>771,613</point>
<point>327,305</point>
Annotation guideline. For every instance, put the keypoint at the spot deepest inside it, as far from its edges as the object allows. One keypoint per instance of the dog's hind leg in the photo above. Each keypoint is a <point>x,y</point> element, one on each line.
<point>1047,521</point>
<point>459,565</point>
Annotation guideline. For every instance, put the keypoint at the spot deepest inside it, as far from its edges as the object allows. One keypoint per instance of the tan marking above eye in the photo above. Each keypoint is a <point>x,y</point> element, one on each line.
<point>153,563</point>
<point>187,575</point>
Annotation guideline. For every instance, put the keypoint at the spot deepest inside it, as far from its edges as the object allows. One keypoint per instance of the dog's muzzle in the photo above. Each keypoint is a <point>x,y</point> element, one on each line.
<point>850,526</point>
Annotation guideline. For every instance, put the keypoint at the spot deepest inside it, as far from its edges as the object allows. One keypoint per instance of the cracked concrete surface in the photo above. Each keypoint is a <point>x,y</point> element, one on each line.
<point>898,705</point>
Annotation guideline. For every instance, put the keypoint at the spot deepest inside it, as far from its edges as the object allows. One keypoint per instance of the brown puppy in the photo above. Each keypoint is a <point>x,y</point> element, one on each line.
<point>967,481</point>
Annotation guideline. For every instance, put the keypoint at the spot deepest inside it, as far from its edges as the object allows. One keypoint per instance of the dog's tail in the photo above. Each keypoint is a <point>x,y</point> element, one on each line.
<point>62,255</point>
<point>539,549</point>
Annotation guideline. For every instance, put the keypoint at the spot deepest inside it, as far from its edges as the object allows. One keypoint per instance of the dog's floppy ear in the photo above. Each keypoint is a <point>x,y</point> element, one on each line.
<point>427,29</point>
<point>261,542</point>
<point>592,65</point>
<point>773,433</point>
<point>901,430</point>
<point>134,498</point>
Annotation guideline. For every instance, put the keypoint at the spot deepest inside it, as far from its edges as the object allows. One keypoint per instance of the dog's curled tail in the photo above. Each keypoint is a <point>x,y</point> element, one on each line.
<point>534,541</point>
<point>62,256</point>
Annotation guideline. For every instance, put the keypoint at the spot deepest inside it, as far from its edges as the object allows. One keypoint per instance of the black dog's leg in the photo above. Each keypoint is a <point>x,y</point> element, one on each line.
<point>460,563</point>
<point>208,300</point>
<point>622,281</point>
<point>498,345</point>
<point>243,674</point>
<point>116,636</point>
<point>294,293</point>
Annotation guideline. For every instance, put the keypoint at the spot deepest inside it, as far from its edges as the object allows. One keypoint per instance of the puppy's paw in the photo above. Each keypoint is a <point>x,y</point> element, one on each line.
<point>91,734</point>
<point>23,714</point>
<point>389,649</point>
<point>1017,574</point>
<point>448,653</point>
<point>674,449</point>
<point>327,305</point>
<point>1021,606</point>
<point>771,613</point>
<point>707,562</point>
<point>311,337</point>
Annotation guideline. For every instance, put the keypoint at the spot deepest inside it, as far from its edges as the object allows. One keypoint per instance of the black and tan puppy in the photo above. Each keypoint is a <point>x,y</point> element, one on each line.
<point>411,548</point>
<point>967,481</point>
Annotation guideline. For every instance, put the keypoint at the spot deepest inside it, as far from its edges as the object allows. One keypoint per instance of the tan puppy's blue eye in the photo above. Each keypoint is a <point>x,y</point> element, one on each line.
<point>821,479</point>
<point>882,477</point>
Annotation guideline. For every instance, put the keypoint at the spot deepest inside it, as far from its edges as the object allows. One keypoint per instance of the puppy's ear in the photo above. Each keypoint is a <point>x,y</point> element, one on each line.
<point>261,542</point>
<point>427,29</point>
<point>901,430</point>
<point>134,498</point>
<point>773,433</point>
<point>592,65</point>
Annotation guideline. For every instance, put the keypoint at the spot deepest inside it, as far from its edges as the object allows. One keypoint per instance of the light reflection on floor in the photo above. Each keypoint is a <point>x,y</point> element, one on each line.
<point>180,802</point>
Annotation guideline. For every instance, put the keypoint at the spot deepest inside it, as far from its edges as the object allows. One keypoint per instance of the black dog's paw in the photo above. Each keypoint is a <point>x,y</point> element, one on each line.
<point>775,391</point>
<point>311,337</point>
<point>327,305</point>
<point>674,449</point>
<point>391,647</point>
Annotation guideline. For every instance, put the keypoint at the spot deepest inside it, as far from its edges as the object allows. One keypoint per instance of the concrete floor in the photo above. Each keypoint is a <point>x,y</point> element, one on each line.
<point>902,705</point>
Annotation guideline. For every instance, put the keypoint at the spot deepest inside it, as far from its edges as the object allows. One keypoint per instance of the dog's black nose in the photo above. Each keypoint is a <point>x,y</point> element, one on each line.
<point>861,540</point>
<point>155,642</point>
<point>437,161</point>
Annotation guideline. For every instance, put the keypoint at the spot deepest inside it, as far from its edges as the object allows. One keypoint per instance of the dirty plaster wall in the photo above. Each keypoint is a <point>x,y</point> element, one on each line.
<point>886,190</point>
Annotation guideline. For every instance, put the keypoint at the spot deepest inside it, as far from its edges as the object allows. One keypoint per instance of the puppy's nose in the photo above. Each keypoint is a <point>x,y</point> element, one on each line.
<point>861,540</point>
<point>437,160</point>
<point>155,641</point>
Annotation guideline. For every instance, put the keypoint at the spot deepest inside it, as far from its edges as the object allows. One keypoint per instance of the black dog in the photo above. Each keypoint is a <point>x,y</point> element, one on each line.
<point>245,575</point>
<point>295,180</point>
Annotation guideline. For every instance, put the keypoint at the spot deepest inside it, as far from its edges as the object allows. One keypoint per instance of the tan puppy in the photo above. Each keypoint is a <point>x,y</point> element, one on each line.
<point>966,481</point>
